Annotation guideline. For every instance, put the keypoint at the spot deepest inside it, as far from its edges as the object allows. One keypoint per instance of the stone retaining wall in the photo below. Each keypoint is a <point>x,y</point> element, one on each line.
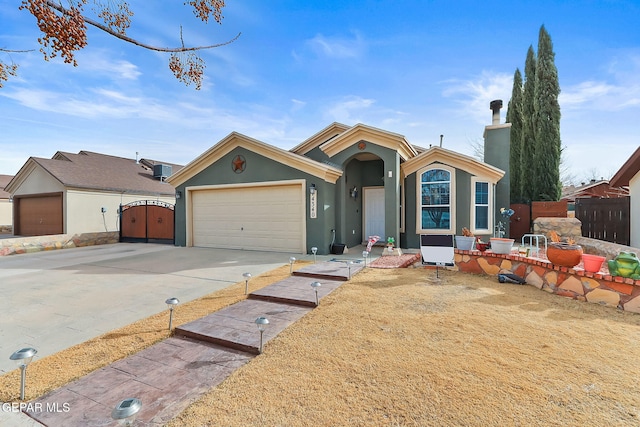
<point>575,283</point>
<point>21,245</point>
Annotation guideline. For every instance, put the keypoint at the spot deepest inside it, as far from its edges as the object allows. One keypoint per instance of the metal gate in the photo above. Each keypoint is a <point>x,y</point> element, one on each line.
<point>147,220</point>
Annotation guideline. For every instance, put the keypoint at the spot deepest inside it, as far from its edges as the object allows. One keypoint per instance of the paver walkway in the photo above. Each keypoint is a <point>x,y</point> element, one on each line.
<point>170,375</point>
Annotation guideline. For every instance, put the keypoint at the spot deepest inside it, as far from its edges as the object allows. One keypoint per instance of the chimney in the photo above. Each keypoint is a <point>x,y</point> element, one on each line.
<point>495,106</point>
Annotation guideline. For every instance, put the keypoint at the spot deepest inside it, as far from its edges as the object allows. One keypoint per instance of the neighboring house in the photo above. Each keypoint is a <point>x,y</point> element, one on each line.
<point>342,185</point>
<point>601,189</point>
<point>81,193</point>
<point>6,205</point>
<point>629,176</point>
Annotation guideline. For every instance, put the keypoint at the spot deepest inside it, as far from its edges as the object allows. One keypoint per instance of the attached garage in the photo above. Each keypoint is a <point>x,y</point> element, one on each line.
<point>259,216</point>
<point>38,215</point>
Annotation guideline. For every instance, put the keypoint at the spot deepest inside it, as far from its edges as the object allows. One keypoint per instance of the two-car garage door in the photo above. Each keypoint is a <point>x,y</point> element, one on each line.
<point>265,217</point>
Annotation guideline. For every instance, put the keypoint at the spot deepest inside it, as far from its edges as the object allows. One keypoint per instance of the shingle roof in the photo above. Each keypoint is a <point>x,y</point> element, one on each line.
<point>95,171</point>
<point>4,180</point>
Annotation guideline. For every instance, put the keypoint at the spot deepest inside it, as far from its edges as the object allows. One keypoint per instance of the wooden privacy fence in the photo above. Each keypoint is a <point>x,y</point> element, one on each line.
<point>605,219</point>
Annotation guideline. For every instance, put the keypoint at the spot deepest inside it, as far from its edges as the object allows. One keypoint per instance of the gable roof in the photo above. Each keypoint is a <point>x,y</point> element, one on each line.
<point>393,141</point>
<point>452,158</point>
<point>234,140</point>
<point>597,189</point>
<point>4,180</point>
<point>630,169</point>
<point>326,134</point>
<point>95,171</point>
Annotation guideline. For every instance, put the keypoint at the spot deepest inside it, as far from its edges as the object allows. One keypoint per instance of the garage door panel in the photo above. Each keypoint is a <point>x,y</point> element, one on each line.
<point>259,218</point>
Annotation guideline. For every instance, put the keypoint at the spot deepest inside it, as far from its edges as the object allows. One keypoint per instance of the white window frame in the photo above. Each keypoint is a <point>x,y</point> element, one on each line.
<point>452,200</point>
<point>472,226</point>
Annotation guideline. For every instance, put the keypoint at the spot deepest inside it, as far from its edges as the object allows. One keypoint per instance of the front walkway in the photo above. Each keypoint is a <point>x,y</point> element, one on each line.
<point>170,375</point>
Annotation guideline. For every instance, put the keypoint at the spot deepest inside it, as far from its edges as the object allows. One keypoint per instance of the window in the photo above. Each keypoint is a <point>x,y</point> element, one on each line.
<point>481,198</point>
<point>435,210</point>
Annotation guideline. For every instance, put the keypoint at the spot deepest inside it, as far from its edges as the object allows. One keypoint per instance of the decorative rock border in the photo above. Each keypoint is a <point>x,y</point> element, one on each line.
<point>600,288</point>
<point>21,245</point>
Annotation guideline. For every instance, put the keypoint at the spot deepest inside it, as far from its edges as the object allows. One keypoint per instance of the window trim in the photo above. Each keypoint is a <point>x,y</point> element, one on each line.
<point>452,200</point>
<point>474,230</point>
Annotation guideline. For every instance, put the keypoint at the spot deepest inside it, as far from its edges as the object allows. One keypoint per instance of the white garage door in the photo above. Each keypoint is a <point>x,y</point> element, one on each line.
<point>267,218</point>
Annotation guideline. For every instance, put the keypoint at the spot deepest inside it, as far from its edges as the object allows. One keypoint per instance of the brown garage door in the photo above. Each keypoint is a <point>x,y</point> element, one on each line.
<point>39,215</point>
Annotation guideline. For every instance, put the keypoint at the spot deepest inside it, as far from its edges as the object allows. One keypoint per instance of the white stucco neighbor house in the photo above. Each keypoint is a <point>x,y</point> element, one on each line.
<point>6,206</point>
<point>629,176</point>
<point>82,193</point>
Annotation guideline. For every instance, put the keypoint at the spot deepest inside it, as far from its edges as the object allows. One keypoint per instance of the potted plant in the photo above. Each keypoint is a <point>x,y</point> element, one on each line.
<point>390,242</point>
<point>565,254</point>
<point>466,241</point>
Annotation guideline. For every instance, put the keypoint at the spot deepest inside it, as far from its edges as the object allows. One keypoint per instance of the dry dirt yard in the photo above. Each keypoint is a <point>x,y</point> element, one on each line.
<point>401,347</point>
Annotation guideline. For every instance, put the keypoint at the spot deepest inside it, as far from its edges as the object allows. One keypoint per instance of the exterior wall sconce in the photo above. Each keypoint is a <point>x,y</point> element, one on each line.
<point>171,304</point>
<point>23,358</point>
<point>353,193</point>
<point>125,412</point>
<point>312,189</point>
<point>178,194</point>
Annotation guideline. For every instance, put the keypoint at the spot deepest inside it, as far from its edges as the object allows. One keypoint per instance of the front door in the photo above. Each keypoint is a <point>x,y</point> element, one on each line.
<point>373,213</point>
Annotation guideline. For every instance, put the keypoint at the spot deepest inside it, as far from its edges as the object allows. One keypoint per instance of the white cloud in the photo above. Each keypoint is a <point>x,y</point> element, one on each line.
<point>472,97</point>
<point>337,47</point>
<point>349,110</point>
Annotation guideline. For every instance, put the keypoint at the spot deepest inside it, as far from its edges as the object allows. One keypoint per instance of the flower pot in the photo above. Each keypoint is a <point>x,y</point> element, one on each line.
<point>501,246</point>
<point>592,263</point>
<point>465,243</point>
<point>564,254</point>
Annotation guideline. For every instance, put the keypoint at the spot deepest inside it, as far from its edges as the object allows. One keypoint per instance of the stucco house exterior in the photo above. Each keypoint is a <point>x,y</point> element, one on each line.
<point>6,205</point>
<point>81,193</point>
<point>629,176</point>
<point>341,185</point>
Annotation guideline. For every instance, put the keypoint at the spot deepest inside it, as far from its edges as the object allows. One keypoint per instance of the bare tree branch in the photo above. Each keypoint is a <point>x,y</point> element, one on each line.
<point>128,39</point>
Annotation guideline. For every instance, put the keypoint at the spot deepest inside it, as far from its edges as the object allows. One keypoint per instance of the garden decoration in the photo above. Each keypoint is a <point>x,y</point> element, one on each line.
<point>501,228</point>
<point>564,254</point>
<point>626,264</point>
<point>372,241</point>
<point>390,242</point>
<point>466,241</point>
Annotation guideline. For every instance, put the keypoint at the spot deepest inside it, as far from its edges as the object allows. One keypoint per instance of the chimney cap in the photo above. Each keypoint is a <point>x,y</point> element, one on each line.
<point>495,105</point>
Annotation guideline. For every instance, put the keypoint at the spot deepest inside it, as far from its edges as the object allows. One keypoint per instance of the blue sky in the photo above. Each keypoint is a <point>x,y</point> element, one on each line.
<point>418,68</point>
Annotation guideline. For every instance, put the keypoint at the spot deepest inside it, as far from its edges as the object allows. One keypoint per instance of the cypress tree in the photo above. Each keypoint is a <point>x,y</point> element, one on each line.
<point>547,151</point>
<point>528,133</point>
<point>514,116</point>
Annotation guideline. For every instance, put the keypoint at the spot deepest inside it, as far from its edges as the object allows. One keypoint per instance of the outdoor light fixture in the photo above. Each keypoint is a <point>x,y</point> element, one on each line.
<point>23,358</point>
<point>291,261</point>
<point>354,192</point>
<point>262,323</point>
<point>315,286</point>
<point>349,264</point>
<point>246,276</point>
<point>171,303</point>
<point>365,254</point>
<point>314,251</point>
<point>178,194</point>
<point>125,412</point>
<point>312,189</point>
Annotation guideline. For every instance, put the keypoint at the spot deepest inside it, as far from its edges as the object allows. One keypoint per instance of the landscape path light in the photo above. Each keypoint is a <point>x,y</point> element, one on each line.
<point>246,276</point>
<point>350,264</point>
<point>365,254</point>
<point>23,358</point>
<point>262,323</point>
<point>314,251</point>
<point>315,286</point>
<point>291,261</point>
<point>125,412</point>
<point>171,303</point>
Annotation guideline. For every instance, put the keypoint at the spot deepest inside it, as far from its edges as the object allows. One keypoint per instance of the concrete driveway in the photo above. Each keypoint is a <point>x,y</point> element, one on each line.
<point>56,299</point>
